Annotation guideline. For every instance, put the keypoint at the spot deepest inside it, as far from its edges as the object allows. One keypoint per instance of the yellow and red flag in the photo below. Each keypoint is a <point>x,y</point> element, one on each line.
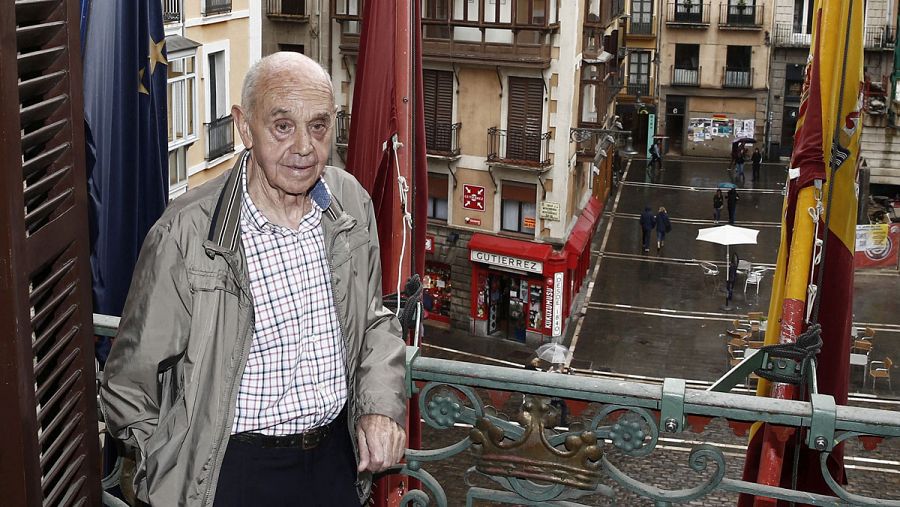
<point>826,146</point>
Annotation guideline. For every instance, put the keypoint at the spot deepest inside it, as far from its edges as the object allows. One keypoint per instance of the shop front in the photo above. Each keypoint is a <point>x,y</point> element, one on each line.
<point>578,247</point>
<point>519,289</point>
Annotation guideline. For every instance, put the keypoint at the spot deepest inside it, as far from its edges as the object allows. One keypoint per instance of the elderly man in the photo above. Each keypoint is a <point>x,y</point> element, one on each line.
<point>255,363</point>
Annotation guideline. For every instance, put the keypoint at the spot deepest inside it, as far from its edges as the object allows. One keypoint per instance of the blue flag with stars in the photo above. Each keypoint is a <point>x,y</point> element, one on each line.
<point>125,69</point>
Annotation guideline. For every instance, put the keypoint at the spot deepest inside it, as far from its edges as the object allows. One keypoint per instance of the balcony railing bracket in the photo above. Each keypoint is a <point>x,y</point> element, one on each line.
<point>671,417</point>
<point>821,427</point>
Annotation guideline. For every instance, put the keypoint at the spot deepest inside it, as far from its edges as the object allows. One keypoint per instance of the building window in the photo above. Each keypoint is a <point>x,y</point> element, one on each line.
<point>641,17</point>
<point>687,65</point>
<point>639,73</point>
<point>793,83</point>
<point>524,118</point>
<point>737,67</point>
<point>182,99</point>
<point>220,127</point>
<point>438,88</point>
<point>803,16</point>
<point>517,211</point>
<point>437,196</point>
<point>178,178</point>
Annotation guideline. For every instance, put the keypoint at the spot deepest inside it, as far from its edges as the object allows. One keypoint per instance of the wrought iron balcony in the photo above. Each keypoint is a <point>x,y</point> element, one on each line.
<point>442,139</point>
<point>287,10</point>
<point>342,128</point>
<point>638,86</point>
<point>219,137</point>
<point>687,13</point>
<point>482,32</point>
<point>736,17</point>
<point>786,37</point>
<point>171,11</point>
<point>879,37</point>
<point>737,77</point>
<point>686,76</point>
<point>212,7</point>
<point>518,147</point>
<point>507,425</point>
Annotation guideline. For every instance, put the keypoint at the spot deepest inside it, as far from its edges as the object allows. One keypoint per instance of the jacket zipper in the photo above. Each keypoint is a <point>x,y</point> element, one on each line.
<point>229,413</point>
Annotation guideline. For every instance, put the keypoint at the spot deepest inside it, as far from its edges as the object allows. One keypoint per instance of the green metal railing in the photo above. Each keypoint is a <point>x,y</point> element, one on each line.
<point>534,464</point>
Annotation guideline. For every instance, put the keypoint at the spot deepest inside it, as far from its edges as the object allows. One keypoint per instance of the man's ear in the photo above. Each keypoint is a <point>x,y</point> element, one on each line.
<point>243,126</point>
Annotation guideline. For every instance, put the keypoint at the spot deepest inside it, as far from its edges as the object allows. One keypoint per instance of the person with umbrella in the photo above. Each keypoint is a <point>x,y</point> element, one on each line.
<point>733,198</point>
<point>648,222</point>
<point>739,162</point>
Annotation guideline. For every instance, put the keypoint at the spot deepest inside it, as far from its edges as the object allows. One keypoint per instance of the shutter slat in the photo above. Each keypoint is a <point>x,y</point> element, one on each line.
<point>40,111</point>
<point>38,61</point>
<point>42,161</point>
<point>42,135</point>
<point>50,358</point>
<point>71,472</point>
<point>61,417</point>
<point>45,184</point>
<point>43,211</point>
<point>61,440</point>
<point>47,309</point>
<point>46,408</point>
<point>50,331</point>
<point>30,89</point>
<point>47,284</point>
<point>28,37</point>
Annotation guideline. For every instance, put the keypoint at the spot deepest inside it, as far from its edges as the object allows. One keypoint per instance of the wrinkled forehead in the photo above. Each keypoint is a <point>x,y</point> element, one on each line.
<point>295,93</point>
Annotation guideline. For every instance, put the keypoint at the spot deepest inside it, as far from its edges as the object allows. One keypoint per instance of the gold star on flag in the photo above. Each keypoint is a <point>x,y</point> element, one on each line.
<point>141,88</point>
<point>156,54</point>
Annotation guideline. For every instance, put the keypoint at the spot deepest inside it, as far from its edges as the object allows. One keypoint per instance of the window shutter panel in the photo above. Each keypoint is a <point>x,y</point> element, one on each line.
<point>49,423</point>
<point>523,125</point>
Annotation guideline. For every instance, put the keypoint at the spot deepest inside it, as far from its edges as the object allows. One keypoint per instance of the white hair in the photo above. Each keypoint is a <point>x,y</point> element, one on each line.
<point>264,65</point>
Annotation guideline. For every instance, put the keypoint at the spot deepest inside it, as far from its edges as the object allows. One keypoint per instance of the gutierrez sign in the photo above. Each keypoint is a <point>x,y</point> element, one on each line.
<point>507,261</point>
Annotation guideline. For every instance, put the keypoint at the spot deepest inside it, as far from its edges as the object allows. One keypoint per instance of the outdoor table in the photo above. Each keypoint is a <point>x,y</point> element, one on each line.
<point>861,360</point>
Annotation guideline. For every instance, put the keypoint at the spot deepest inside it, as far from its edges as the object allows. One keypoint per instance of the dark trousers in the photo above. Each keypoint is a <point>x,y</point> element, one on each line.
<point>645,238</point>
<point>323,476</point>
<point>731,210</point>
<point>755,172</point>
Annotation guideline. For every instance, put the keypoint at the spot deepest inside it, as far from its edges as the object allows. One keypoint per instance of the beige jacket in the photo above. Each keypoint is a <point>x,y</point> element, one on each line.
<point>170,384</point>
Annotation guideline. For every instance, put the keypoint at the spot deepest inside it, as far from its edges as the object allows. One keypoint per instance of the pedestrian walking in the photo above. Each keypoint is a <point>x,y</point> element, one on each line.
<point>648,222</point>
<point>733,198</point>
<point>718,202</point>
<point>757,162</point>
<point>663,227</point>
<point>739,163</point>
<point>735,151</point>
<point>655,155</point>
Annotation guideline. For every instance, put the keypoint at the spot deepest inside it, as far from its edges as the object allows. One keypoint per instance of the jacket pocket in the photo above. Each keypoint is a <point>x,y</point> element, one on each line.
<point>213,280</point>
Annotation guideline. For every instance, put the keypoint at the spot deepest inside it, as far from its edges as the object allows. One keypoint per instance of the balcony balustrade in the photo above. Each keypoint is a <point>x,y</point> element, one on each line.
<point>737,77</point>
<point>879,37</point>
<point>481,32</point>
<point>515,438</point>
<point>442,139</point>
<point>171,11</point>
<point>786,37</point>
<point>287,10</point>
<point>638,86</point>
<point>641,28</point>
<point>736,17</point>
<point>342,128</point>
<point>686,76</point>
<point>688,14</point>
<point>219,137</point>
<point>518,147</point>
<point>212,7</point>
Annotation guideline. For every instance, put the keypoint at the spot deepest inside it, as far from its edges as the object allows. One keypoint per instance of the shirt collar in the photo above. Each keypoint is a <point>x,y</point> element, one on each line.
<point>320,195</point>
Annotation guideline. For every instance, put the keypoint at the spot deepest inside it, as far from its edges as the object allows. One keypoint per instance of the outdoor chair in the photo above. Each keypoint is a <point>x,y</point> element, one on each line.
<point>861,347</point>
<point>755,344</point>
<point>755,317</point>
<point>710,272</point>
<point>881,369</point>
<point>868,333</point>
<point>735,356</point>
<point>754,277</point>
<point>744,267</point>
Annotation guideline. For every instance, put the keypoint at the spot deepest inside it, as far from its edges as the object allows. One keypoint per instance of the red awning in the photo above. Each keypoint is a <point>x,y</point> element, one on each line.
<point>580,237</point>
<point>511,247</point>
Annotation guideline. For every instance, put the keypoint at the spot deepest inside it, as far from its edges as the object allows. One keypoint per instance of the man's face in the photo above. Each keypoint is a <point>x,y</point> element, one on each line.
<point>289,131</point>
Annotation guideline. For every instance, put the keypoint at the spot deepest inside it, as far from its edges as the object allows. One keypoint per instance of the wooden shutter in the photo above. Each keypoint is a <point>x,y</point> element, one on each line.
<point>50,453</point>
<point>437,185</point>
<point>438,109</point>
<point>523,123</point>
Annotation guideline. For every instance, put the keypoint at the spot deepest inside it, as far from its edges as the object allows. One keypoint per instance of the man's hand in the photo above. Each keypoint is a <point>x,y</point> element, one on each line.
<point>381,442</point>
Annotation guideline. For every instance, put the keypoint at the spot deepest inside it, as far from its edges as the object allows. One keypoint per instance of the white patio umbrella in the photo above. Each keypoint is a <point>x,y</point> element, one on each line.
<point>553,353</point>
<point>728,235</point>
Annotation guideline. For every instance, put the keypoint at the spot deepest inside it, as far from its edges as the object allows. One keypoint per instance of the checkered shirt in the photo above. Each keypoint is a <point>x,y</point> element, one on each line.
<point>295,378</point>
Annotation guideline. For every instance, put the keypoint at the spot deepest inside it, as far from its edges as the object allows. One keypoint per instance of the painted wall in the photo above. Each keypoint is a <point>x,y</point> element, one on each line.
<point>478,108</point>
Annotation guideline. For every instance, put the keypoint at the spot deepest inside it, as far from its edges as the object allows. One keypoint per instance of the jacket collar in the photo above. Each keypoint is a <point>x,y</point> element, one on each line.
<point>225,226</point>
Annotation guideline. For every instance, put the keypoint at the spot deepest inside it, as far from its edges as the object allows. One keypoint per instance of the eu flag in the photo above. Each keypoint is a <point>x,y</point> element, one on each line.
<point>125,115</point>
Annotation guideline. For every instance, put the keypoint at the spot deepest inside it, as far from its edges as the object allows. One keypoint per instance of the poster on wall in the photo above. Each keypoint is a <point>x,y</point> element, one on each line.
<point>877,246</point>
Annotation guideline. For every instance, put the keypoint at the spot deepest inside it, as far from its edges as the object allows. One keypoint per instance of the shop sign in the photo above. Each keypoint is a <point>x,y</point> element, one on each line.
<point>528,222</point>
<point>550,210</point>
<point>507,261</point>
<point>877,246</point>
<point>557,304</point>
<point>548,304</point>
<point>429,244</point>
<point>473,197</point>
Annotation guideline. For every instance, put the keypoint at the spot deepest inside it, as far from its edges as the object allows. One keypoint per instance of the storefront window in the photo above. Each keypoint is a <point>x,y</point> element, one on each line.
<point>436,298</point>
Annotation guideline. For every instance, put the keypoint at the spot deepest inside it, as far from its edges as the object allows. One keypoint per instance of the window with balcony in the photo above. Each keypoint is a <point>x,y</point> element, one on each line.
<point>213,7</point>
<point>440,131</point>
<point>738,71</point>
<point>689,11</point>
<point>287,9</point>
<point>517,210</point>
<point>437,196</point>
<point>182,99</point>
<point>524,119</point>
<point>590,86</point>
<point>742,13</point>
<point>220,129</point>
<point>803,16</point>
<point>171,11</point>
<point>641,17</point>
<point>639,73</point>
<point>687,65</point>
